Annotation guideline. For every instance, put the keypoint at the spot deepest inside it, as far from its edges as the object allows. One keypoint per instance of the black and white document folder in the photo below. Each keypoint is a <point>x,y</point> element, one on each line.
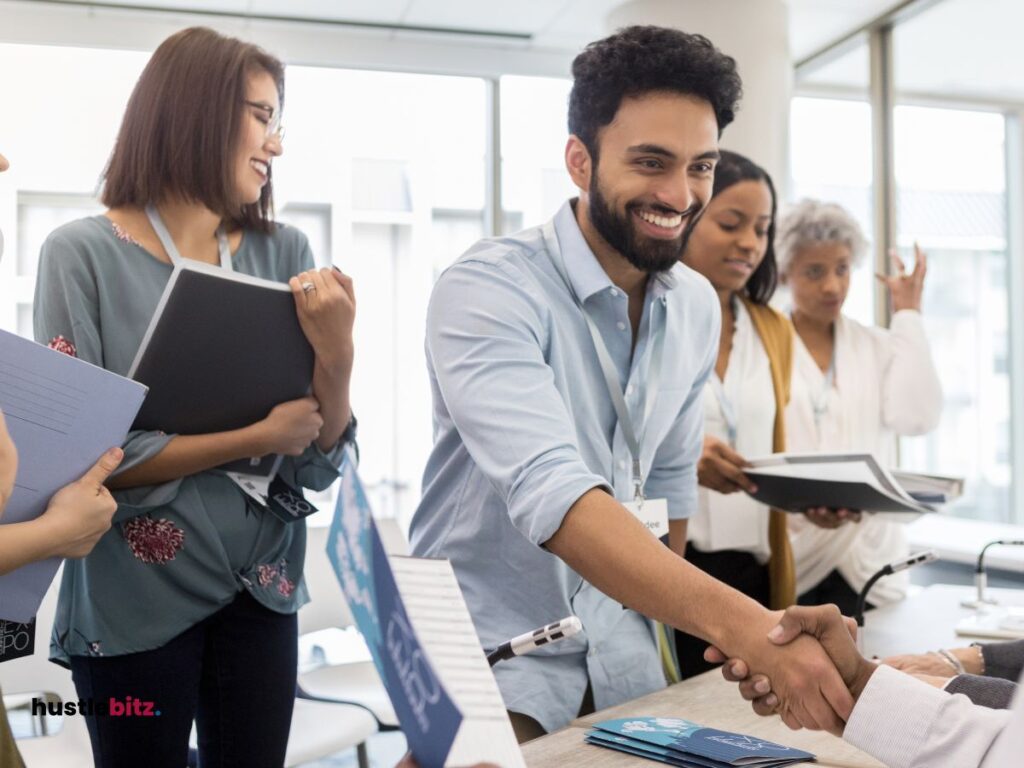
<point>795,482</point>
<point>221,351</point>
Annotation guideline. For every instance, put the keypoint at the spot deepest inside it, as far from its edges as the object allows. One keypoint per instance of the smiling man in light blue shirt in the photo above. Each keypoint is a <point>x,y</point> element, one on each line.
<point>524,489</point>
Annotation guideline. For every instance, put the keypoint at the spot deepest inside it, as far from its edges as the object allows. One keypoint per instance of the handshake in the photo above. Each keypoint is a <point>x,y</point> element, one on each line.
<point>818,703</point>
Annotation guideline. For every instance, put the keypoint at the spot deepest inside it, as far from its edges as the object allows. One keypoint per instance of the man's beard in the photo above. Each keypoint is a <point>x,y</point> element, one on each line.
<point>647,254</point>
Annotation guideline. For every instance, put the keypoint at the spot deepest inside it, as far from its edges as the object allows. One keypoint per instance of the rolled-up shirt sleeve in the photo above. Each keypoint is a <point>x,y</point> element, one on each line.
<point>485,338</point>
<point>673,474</point>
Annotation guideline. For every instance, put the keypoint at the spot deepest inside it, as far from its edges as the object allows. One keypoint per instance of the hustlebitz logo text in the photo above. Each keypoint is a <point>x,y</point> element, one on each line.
<point>129,707</point>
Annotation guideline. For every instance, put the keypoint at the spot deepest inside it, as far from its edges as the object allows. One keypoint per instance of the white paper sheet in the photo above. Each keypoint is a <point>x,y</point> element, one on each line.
<point>443,625</point>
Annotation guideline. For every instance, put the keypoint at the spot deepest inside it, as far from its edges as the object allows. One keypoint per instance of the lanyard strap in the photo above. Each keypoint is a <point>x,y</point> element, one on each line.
<point>172,250</point>
<point>726,408</point>
<point>820,404</point>
<point>611,376</point>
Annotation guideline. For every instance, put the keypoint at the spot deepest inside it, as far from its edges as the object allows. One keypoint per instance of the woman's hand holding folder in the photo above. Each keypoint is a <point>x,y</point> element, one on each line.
<point>289,428</point>
<point>325,303</point>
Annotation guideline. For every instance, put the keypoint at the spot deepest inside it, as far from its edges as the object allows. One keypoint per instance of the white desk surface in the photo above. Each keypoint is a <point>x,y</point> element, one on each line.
<point>923,622</point>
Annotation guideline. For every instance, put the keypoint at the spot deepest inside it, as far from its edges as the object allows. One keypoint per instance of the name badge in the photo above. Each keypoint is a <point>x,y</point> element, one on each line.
<point>653,513</point>
<point>287,503</point>
<point>16,639</point>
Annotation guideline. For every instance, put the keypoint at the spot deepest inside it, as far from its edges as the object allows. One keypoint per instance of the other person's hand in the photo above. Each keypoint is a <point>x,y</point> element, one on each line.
<point>720,468</point>
<point>810,691</point>
<point>906,290</point>
<point>837,635</point>
<point>289,428</point>
<point>935,665</point>
<point>325,302</point>
<point>8,464</point>
<point>825,517</point>
<point>80,512</point>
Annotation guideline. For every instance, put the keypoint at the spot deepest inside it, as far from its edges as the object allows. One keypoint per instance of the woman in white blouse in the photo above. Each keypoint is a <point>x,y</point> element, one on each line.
<point>730,536</point>
<point>854,388</point>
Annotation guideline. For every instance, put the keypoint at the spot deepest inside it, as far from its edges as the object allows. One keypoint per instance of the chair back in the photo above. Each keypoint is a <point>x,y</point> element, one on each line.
<point>327,607</point>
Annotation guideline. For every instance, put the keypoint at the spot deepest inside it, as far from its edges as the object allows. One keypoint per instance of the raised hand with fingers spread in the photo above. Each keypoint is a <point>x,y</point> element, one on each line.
<point>906,289</point>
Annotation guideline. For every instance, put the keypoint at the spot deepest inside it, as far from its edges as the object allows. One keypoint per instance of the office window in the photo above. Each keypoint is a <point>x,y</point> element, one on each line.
<point>952,200</point>
<point>830,155</point>
<point>533,135</point>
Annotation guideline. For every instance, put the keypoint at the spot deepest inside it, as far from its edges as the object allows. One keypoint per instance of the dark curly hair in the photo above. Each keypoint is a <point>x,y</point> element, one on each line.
<point>733,168</point>
<point>640,59</point>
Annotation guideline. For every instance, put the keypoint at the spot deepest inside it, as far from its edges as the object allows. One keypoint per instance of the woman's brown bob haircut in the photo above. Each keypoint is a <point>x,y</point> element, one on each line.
<point>180,133</point>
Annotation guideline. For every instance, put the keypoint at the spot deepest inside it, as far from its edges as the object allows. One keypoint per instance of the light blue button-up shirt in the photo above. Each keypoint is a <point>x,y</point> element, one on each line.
<point>524,426</point>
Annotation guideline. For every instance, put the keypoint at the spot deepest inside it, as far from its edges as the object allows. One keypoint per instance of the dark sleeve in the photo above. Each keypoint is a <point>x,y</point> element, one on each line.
<point>1004,660</point>
<point>990,692</point>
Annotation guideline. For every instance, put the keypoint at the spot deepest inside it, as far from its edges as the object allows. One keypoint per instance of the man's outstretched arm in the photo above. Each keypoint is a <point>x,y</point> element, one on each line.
<point>612,550</point>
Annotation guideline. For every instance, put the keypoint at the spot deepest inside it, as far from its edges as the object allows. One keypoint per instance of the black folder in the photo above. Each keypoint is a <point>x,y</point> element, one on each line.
<point>221,351</point>
<point>795,482</point>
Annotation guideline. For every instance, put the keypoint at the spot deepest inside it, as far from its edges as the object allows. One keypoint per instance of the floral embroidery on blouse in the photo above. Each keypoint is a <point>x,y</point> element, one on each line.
<point>122,234</point>
<point>286,587</point>
<point>61,344</point>
<point>268,573</point>
<point>153,541</point>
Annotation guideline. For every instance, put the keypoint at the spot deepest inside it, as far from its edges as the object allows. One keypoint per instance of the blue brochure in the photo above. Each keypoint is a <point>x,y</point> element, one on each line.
<point>428,716</point>
<point>681,742</point>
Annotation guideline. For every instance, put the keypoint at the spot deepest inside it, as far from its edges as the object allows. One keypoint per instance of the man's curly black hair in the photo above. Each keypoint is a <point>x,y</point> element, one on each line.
<point>640,59</point>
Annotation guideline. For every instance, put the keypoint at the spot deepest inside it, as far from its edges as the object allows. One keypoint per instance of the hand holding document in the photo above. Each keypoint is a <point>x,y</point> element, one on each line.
<point>856,481</point>
<point>62,414</point>
<point>415,622</point>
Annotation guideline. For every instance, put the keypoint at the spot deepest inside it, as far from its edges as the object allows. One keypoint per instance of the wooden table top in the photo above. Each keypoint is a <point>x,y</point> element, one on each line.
<point>706,699</point>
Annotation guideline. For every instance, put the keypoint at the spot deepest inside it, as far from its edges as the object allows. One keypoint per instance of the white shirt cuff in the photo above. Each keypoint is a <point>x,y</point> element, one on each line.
<point>874,727</point>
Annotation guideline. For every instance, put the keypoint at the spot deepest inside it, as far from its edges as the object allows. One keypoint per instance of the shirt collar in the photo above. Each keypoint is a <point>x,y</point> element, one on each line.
<point>585,271</point>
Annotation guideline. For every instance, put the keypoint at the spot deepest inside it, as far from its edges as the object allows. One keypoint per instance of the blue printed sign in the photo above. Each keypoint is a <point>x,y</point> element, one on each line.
<point>428,716</point>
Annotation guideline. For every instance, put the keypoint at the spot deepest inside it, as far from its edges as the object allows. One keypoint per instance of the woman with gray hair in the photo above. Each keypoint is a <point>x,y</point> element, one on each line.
<point>854,389</point>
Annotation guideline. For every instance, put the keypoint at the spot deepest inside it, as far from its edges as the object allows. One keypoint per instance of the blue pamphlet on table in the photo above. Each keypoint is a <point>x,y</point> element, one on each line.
<point>683,743</point>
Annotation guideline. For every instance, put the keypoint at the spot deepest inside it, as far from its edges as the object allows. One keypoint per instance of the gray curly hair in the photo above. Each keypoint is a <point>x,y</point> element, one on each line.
<point>810,222</point>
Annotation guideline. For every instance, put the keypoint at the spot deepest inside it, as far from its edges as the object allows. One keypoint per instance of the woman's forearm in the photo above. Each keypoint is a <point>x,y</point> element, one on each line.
<point>331,389</point>
<point>188,454</point>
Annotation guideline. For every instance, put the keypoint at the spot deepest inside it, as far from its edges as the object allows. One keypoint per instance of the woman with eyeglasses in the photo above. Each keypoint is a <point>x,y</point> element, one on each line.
<point>189,601</point>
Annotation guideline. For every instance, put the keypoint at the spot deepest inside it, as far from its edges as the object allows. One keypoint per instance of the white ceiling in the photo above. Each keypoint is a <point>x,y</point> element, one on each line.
<point>967,48</point>
<point>567,24</point>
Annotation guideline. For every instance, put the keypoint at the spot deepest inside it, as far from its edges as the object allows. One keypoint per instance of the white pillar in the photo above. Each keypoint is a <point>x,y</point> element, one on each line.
<point>756,34</point>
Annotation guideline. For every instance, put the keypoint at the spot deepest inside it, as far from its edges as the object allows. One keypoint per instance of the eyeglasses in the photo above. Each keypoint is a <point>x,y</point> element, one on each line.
<point>271,119</point>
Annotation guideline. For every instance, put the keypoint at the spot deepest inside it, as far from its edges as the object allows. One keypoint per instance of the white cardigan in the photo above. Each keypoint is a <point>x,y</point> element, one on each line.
<point>885,385</point>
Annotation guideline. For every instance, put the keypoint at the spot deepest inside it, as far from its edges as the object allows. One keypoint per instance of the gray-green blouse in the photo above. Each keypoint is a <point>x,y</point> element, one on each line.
<point>178,551</point>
